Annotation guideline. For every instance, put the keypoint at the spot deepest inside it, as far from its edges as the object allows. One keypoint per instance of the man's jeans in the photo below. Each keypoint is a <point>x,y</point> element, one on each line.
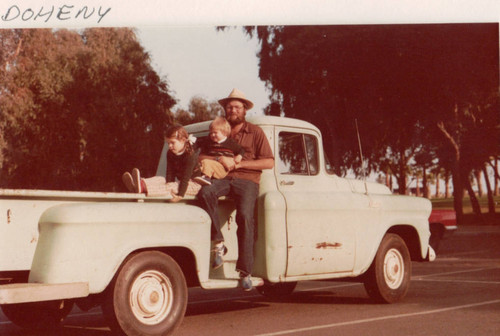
<point>244,193</point>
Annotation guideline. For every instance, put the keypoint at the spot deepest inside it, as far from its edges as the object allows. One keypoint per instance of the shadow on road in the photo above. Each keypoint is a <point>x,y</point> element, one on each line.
<point>223,306</point>
<point>72,326</point>
<point>65,330</point>
<point>257,301</point>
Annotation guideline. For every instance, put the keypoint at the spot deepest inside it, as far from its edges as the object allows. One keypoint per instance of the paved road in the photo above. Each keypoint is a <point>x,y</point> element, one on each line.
<point>458,294</point>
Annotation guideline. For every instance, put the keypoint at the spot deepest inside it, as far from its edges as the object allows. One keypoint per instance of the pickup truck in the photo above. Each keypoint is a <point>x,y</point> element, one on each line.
<point>136,256</point>
<point>442,223</point>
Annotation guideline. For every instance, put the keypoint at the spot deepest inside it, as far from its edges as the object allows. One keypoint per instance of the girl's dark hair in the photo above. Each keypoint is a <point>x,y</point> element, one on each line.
<point>179,132</point>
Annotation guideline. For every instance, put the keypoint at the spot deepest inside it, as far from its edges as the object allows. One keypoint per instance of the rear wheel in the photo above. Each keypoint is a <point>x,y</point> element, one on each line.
<point>38,315</point>
<point>388,278</point>
<point>147,297</point>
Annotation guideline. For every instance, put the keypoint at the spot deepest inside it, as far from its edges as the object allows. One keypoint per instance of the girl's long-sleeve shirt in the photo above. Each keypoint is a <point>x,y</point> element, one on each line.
<point>183,167</point>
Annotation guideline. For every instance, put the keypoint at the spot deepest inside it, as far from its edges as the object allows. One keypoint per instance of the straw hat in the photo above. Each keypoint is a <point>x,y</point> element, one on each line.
<point>238,95</point>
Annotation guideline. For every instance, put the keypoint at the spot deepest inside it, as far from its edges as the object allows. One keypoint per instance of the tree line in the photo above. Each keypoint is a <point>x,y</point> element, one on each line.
<point>426,97</point>
<point>78,107</point>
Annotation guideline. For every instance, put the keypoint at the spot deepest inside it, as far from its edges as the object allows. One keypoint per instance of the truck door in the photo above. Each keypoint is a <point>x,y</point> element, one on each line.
<point>320,237</point>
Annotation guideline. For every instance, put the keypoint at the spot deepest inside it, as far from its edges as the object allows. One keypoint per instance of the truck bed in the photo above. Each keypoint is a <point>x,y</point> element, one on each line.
<point>20,210</point>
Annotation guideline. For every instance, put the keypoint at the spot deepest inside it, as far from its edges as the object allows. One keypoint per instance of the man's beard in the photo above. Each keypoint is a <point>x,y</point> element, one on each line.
<point>236,120</point>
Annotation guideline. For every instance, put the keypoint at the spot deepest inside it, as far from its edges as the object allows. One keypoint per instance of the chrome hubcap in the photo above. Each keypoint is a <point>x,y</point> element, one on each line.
<point>393,268</point>
<point>151,297</point>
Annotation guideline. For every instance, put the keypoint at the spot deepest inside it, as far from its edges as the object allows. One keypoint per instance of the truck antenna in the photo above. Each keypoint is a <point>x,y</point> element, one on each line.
<point>361,156</point>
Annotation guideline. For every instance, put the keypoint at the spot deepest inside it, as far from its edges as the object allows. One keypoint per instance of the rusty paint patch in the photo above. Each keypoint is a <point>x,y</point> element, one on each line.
<point>326,245</point>
<point>9,214</point>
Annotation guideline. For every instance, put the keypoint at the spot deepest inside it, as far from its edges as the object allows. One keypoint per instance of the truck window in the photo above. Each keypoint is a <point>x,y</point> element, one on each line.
<point>298,154</point>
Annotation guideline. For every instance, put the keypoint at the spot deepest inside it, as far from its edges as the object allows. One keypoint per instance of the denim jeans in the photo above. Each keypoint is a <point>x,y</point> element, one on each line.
<point>244,193</point>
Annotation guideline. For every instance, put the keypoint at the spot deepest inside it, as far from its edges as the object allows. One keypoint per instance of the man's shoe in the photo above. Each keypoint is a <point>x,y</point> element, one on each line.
<point>246,282</point>
<point>136,177</point>
<point>128,181</point>
<point>219,252</point>
<point>203,180</point>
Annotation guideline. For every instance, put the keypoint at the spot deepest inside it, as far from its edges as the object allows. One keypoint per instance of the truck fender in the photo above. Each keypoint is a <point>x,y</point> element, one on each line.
<point>87,242</point>
<point>414,236</point>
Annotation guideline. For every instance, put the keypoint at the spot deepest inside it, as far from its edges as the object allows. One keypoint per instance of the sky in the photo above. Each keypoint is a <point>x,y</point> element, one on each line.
<point>205,62</point>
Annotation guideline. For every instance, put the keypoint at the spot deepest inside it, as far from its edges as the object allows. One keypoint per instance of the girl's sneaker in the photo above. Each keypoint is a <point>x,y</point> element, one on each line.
<point>128,181</point>
<point>203,180</point>
<point>136,177</point>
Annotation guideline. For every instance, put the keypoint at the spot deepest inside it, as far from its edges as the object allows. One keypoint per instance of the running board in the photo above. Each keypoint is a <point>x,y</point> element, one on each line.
<point>229,283</point>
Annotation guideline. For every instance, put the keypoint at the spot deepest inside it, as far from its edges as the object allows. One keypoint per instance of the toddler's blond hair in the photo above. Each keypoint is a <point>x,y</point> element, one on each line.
<point>221,124</point>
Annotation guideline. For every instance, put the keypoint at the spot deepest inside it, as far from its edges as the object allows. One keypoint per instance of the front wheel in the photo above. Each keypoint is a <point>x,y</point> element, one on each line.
<point>147,297</point>
<point>388,278</point>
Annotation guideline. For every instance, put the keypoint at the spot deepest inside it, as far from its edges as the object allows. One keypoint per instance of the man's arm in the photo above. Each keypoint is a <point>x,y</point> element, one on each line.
<point>258,164</point>
<point>226,161</point>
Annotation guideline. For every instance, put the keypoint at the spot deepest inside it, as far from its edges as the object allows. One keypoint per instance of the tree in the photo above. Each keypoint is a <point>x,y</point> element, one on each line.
<point>183,117</point>
<point>464,110</point>
<point>423,160</point>
<point>489,191</point>
<point>496,175</point>
<point>79,108</point>
<point>412,87</point>
<point>200,109</point>
<point>37,131</point>
<point>128,108</point>
<point>472,136</point>
<point>204,110</point>
<point>344,73</point>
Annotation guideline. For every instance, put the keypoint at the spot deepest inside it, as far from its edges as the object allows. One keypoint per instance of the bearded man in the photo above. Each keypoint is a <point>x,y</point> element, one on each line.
<point>241,183</point>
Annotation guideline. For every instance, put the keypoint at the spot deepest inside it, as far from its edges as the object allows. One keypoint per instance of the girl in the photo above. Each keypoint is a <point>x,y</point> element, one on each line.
<point>182,167</point>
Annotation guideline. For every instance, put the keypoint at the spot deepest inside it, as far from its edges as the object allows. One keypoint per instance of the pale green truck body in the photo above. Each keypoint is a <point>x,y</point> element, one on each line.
<point>311,224</point>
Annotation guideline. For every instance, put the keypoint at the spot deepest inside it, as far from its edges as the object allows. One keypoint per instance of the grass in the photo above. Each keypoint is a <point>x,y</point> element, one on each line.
<point>469,217</point>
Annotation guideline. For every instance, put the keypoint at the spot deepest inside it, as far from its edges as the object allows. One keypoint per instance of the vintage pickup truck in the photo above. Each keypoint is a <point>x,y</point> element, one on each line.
<point>136,255</point>
<point>442,223</point>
